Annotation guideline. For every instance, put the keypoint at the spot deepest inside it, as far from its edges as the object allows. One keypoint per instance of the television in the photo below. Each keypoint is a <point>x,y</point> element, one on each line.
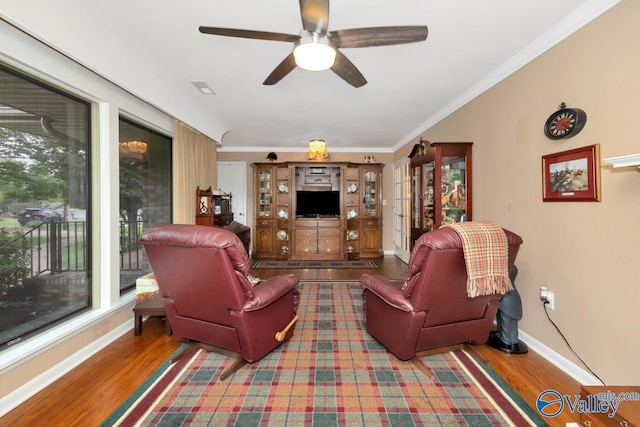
<point>317,203</point>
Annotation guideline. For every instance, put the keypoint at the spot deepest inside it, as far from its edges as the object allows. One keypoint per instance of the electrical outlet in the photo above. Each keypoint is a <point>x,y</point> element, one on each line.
<point>547,297</point>
<point>551,301</point>
<point>543,293</point>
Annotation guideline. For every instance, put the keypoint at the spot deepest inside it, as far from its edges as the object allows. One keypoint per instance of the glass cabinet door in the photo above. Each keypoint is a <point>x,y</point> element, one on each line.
<point>428,181</point>
<point>264,188</point>
<point>454,194</point>
<point>370,193</point>
<point>440,186</point>
<point>415,198</point>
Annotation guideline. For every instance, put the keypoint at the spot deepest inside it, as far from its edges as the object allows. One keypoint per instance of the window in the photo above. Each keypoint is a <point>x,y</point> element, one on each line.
<point>44,207</point>
<point>145,194</point>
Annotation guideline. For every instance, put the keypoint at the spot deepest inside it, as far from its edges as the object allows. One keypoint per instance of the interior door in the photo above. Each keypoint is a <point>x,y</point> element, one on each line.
<point>402,208</point>
<point>232,178</point>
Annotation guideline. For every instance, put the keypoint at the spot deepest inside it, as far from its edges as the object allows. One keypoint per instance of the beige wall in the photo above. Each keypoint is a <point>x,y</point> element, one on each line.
<point>387,178</point>
<point>587,253</point>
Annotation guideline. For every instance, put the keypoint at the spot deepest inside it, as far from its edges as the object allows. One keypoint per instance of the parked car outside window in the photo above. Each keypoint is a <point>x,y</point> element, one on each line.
<point>37,215</point>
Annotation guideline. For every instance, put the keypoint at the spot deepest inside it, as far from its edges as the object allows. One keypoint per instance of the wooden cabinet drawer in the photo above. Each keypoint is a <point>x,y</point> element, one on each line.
<point>333,233</point>
<point>306,246</point>
<point>307,234</point>
<point>329,246</point>
<point>306,223</point>
<point>329,223</point>
<point>301,241</point>
<point>370,223</point>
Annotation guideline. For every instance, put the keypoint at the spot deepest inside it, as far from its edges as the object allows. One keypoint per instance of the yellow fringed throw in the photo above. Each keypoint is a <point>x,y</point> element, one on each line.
<point>486,254</point>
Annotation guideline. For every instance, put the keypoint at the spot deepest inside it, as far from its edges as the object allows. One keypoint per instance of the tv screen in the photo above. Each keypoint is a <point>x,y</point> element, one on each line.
<point>313,203</point>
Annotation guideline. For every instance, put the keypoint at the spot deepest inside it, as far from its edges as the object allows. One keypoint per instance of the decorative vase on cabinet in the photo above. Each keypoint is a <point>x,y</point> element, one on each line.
<point>440,186</point>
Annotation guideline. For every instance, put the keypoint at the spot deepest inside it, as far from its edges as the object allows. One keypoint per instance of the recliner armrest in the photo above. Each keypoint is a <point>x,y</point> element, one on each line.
<point>390,291</point>
<point>270,290</point>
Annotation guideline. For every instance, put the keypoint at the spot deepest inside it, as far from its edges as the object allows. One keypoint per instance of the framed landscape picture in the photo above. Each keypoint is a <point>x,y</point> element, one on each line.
<point>572,176</point>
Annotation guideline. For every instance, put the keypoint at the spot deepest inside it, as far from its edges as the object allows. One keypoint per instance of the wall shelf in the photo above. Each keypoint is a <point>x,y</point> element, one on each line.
<point>624,161</point>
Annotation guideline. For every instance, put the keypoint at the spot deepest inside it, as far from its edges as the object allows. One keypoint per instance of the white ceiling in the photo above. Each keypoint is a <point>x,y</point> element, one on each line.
<point>153,49</point>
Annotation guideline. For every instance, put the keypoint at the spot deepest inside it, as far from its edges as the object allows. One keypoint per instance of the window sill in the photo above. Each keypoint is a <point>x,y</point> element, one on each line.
<point>22,352</point>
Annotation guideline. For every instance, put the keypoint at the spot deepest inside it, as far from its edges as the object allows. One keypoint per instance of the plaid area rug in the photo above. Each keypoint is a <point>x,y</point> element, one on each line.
<point>331,373</point>
<point>314,264</point>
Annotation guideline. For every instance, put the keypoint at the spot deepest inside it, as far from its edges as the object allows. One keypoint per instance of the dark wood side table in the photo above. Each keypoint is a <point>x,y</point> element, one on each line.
<point>149,307</point>
<point>242,231</point>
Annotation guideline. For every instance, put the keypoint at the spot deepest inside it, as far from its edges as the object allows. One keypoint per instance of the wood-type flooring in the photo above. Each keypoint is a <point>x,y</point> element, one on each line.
<point>92,391</point>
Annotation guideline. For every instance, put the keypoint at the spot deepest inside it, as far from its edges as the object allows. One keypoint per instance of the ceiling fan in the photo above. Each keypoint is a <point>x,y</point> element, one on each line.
<point>316,48</point>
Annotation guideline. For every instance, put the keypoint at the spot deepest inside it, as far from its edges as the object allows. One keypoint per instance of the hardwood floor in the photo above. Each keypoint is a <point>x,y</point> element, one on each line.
<point>92,391</point>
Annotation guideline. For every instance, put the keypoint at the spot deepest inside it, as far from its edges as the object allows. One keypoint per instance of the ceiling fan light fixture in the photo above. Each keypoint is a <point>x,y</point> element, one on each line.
<point>313,52</point>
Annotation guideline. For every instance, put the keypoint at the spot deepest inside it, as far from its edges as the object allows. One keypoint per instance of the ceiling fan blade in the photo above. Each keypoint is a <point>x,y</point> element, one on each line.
<point>249,34</point>
<point>284,68</point>
<point>347,71</point>
<point>315,15</point>
<point>378,36</point>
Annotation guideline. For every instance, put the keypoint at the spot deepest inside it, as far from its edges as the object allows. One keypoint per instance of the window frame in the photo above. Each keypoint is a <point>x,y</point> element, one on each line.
<point>88,133</point>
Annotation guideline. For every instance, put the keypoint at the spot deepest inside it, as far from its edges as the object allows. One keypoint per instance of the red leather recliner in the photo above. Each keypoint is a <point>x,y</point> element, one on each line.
<point>202,276</point>
<point>433,309</point>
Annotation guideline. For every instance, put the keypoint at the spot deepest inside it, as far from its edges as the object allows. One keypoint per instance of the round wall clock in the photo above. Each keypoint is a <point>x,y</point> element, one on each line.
<point>565,123</point>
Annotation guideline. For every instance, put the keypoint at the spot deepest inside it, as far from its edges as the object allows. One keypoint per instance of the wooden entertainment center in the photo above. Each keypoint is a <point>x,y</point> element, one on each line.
<point>317,211</point>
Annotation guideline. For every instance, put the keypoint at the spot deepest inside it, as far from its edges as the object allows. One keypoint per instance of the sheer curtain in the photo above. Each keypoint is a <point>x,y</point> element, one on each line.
<point>194,165</point>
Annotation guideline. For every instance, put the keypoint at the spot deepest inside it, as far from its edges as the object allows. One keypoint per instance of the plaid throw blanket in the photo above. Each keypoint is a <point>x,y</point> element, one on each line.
<point>486,253</point>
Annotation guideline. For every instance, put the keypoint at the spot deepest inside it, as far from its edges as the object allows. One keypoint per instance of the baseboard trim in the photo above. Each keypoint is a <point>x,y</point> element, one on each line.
<point>558,360</point>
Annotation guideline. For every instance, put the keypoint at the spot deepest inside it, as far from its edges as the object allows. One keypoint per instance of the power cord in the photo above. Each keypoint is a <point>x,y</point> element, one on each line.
<point>544,305</point>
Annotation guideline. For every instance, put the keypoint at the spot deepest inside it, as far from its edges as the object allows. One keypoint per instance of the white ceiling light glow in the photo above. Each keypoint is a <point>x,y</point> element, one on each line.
<point>313,52</point>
